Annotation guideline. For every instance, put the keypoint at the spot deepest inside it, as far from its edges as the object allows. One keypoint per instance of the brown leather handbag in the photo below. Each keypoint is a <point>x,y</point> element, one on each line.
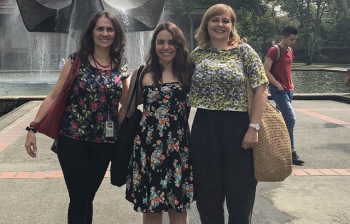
<point>50,126</point>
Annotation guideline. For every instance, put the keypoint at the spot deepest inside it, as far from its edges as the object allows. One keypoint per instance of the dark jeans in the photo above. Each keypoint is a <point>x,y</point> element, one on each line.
<point>84,165</point>
<point>222,168</point>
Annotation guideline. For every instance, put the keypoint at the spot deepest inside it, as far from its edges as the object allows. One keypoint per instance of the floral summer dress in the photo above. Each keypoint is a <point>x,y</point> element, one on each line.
<point>160,173</point>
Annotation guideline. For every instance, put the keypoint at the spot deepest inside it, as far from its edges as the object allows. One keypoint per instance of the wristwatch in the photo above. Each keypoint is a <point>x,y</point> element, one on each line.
<point>255,126</point>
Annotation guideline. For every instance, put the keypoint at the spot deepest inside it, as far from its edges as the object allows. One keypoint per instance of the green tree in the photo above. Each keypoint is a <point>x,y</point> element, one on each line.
<point>259,28</point>
<point>336,24</point>
<point>248,12</point>
<point>309,13</point>
<point>187,7</point>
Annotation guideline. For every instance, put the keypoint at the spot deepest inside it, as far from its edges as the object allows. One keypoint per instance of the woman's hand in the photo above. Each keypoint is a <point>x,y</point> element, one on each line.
<point>30,144</point>
<point>250,139</point>
<point>258,106</point>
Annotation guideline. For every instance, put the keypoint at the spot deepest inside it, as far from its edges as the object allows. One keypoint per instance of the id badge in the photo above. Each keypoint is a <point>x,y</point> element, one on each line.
<point>109,129</point>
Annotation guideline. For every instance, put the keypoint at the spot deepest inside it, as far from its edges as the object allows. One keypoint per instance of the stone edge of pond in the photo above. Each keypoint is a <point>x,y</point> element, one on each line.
<point>314,69</point>
<point>340,97</point>
<point>11,103</point>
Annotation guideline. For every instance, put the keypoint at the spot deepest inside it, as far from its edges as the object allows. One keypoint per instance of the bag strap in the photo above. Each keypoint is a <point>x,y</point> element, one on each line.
<point>278,53</point>
<point>249,89</point>
<point>73,73</point>
<point>136,87</point>
<point>277,58</point>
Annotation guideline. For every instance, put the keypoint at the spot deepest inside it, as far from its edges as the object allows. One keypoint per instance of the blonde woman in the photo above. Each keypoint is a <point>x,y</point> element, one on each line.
<point>222,133</point>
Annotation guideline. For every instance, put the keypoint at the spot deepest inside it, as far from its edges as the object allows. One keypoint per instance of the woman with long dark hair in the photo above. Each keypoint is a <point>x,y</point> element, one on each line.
<point>84,148</point>
<point>160,172</point>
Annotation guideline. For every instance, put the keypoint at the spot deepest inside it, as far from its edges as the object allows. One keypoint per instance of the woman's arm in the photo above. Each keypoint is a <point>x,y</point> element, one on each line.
<point>125,92</point>
<point>30,143</point>
<point>258,107</point>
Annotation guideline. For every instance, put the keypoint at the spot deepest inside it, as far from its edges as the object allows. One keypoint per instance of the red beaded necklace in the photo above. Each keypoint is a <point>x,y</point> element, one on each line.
<point>103,66</point>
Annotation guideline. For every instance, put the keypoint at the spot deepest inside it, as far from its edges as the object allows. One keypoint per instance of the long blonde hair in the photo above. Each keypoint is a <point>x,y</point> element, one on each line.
<point>202,35</point>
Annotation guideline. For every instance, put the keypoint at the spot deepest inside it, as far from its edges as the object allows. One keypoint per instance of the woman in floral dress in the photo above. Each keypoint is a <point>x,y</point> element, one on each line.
<point>160,172</point>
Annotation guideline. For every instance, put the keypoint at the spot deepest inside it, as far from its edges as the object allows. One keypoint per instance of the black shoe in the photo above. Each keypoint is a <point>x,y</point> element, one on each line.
<point>296,159</point>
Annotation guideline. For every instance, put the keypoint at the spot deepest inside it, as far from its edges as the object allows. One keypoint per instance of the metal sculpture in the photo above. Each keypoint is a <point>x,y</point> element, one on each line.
<point>61,16</point>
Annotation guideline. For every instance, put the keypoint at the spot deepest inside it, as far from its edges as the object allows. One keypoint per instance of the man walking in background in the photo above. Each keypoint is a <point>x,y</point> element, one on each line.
<point>278,68</point>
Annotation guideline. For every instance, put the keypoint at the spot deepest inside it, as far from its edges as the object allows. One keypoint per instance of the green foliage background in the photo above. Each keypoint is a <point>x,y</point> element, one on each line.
<point>323,25</point>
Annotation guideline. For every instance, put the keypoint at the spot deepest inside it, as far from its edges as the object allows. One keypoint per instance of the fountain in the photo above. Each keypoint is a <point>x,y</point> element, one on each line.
<point>37,33</point>
<point>56,16</point>
<point>52,29</point>
<point>71,16</point>
<point>43,31</point>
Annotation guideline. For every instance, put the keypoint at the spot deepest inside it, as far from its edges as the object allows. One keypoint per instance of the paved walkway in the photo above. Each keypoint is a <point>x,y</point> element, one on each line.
<point>33,190</point>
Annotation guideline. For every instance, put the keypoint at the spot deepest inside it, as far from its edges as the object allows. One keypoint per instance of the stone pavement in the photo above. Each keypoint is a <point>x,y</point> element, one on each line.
<point>33,190</point>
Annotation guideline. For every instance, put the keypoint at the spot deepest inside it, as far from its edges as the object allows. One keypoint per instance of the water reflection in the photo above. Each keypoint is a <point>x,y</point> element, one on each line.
<point>319,82</point>
<point>27,84</point>
<point>34,84</point>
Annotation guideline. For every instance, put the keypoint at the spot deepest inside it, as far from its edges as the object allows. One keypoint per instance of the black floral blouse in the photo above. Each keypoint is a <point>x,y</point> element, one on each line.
<point>94,97</point>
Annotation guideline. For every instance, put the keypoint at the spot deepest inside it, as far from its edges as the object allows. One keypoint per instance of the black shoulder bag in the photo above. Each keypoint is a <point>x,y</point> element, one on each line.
<point>125,141</point>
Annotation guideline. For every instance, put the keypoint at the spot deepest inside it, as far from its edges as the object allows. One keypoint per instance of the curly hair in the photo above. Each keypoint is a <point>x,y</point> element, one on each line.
<point>118,46</point>
<point>202,35</point>
<point>182,68</point>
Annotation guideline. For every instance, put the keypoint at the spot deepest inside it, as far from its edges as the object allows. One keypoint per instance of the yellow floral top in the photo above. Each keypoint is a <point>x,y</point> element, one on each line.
<point>219,80</point>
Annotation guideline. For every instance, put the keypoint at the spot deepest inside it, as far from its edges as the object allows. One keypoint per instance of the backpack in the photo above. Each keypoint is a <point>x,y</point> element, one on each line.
<point>278,56</point>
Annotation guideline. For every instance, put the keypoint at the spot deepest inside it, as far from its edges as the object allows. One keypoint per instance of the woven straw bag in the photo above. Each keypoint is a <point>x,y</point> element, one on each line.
<point>273,152</point>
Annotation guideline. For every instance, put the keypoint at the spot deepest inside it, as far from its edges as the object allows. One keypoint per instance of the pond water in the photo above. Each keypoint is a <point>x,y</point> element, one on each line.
<point>27,84</point>
<point>35,83</point>
<point>319,82</point>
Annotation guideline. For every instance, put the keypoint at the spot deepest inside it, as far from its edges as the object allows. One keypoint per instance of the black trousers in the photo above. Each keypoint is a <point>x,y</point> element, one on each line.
<point>222,168</point>
<point>84,165</point>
